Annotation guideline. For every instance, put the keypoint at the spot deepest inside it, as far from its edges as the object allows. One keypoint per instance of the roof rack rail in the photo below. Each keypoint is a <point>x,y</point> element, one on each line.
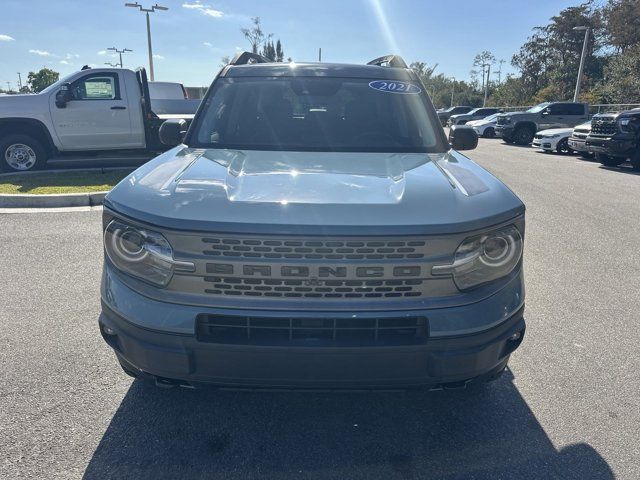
<point>389,61</point>
<point>244,58</point>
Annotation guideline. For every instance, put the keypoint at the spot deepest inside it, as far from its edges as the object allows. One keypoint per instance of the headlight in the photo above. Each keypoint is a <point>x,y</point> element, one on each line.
<point>484,258</point>
<point>625,125</point>
<point>140,252</point>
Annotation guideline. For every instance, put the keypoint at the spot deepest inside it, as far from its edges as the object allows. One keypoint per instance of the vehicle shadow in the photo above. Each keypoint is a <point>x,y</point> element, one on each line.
<point>486,433</point>
<point>624,168</point>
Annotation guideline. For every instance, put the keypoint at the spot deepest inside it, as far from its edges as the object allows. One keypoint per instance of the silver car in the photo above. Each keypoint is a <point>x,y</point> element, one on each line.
<point>313,228</point>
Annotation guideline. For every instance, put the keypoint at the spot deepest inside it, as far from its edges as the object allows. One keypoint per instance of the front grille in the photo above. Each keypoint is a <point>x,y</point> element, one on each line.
<point>285,288</point>
<point>311,332</point>
<point>335,270</point>
<point>312,250</point>
<point>604,126</point>
<point>582,134</point>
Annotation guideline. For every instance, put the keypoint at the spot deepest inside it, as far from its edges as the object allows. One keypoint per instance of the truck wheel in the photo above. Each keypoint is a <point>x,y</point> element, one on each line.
<point>489,133</point>
<point>609,161</point>
<point>20,153</point>
<point>523,135</point>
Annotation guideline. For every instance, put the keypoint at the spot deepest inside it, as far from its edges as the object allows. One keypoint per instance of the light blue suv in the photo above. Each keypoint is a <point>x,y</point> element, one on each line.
<point>314,228</point>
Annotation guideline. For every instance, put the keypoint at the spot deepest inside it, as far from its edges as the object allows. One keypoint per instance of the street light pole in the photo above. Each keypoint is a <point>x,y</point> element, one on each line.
<point>576,95</point>
<point>124,50</point>
<point>147,11</point>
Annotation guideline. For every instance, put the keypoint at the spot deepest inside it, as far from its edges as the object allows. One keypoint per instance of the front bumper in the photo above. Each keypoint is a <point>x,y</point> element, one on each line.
<point>443,358</point>
<point>614,146</point>
<point>578,144</point>
<point>504,131</point>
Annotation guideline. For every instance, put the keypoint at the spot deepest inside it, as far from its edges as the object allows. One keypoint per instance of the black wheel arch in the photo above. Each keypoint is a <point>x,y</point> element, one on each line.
<point>28,126</point>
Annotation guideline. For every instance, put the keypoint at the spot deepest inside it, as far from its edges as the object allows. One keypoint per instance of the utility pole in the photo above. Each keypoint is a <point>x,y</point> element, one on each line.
<point>120,52</point>
<point>8,87</point>
<point>499,72</point>
<point>576,95</point>
<point>486,85</point>
<point>147,11</point>
<point>19,82</point>
<point>453,87</point>
<point>320,54</point>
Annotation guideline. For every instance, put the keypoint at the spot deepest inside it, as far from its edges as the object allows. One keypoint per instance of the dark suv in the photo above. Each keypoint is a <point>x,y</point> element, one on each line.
<point>615,137</point>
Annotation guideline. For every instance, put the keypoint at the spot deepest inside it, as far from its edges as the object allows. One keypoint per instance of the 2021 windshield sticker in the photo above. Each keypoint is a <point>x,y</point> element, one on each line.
<point>394,87</point>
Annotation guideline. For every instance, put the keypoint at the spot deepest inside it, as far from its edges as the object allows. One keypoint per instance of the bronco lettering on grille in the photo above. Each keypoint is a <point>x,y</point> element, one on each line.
<point>293,271</point>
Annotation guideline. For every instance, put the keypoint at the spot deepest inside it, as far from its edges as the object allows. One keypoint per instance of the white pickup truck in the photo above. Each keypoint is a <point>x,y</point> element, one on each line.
<point>93,110</point>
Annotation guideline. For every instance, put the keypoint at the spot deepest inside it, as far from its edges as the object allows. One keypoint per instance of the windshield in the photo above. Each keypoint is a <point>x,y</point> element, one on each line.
<point>491,118</point>
<point>538,108</point>
<point>54,86</point>
<point>315,114</point>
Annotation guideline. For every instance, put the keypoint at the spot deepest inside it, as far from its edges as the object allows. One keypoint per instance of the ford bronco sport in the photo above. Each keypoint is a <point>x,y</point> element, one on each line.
<point>313,228</point>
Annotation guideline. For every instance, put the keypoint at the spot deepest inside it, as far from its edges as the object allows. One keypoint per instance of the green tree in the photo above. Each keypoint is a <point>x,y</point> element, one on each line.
<point>279,52</point>
<point>622,19</point>
<point>255,36</point>
<point>41,79</point>
<point>621,83</point>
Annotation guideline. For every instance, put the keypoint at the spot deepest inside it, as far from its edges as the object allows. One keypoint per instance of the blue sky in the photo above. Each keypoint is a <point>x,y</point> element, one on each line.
<point>191,37</point>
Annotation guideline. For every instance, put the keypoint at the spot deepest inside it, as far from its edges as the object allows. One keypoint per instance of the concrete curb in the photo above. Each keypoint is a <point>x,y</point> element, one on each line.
<point>57,200</point>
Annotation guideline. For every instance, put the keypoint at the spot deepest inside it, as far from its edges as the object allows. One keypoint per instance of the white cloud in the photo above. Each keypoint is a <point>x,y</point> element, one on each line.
<point>202,8</point>
<point>65,62</point>
<point>207,44</point>
<point>69,56</point>
<point>102,52</point>
<point>42,53</point>
<point>6,38</point>
<point>159,57</point>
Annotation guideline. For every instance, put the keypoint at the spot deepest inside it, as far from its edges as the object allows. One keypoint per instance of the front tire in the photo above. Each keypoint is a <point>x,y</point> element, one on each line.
<point>523,135</point>
<point>563,146</point>
<point>22,153</point>
<point>489,133</point>
<point>608,160</point>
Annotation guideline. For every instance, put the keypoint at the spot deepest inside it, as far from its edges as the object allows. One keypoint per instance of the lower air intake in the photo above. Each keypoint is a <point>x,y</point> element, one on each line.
<point>311,332</point>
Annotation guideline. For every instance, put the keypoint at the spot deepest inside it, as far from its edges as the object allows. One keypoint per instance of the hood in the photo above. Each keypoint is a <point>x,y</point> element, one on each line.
<point>513,114</point>
<point>480,123</point>
<point>18,105</point>
<point>287,192</point>
<point>555,131</point>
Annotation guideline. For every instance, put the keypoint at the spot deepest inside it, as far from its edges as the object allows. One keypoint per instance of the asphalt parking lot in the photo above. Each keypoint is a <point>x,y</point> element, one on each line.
<point>568,408</point>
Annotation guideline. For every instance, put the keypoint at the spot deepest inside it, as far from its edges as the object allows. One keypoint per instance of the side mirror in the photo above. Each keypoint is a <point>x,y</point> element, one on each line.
<point>172,131</point>
<point>462,137</point>
<point>63,96</point>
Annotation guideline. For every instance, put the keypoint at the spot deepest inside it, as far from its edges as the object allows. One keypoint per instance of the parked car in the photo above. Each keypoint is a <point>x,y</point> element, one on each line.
<point>102,109</point>
<point>577,141</point>
<point>521,127</point>
<point>615,137</point>
<point>475,114</point>
<point>280,244</point>
<point>553,140</point>
<point>485,127</point>
<point>444,115</point>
